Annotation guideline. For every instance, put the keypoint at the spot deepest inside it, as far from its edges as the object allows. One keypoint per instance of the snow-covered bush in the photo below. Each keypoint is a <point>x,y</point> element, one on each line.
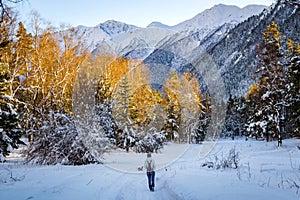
<point>150,142</point>
<point>57,141</point>
<point>231,161</point>
<point>93,137</point>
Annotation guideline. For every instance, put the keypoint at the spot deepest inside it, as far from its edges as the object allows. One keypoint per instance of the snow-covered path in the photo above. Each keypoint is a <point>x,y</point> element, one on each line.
<point>265,178</point>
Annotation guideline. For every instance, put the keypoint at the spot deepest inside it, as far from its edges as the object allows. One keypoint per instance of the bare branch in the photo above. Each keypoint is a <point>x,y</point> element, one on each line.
<point>4,7</point>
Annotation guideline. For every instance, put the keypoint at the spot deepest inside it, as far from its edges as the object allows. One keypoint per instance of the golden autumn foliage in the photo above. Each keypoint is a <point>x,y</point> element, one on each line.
<point>272,33</point>
<point>133,94</point>
<point>42,67</point>
<point>190,88</point>
<point>293,48</point>
<point>126,82</point>
<point>54,65</point>
<point>253,90</point>
<point>183,91</point>
<point>183,104</point>
<point>142,100</point>
<point>172,89</point>
<point>15,53</point>
<point>191,105</point>
<point>110,76</point>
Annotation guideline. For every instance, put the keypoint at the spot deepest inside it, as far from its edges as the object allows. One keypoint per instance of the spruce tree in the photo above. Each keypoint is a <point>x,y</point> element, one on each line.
<point>10,131</point>
<point>268,100</point>
<point>121,112</point>
<point>103,100</point>
<point>293,87</point>
<point>233,122</point>
<point>204,120</point>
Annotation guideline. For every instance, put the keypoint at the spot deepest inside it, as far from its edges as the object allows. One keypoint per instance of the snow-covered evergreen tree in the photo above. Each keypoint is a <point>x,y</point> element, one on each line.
<point>267,97</point>
<point>10,130</point>
<point>121,111</point>
<point>103,109</point>
<point>199,133</point>
<point>293,87</point>
<point>106,121</point>
<point>233,123</point>
<point>93,137</point>
<point>150,141</point>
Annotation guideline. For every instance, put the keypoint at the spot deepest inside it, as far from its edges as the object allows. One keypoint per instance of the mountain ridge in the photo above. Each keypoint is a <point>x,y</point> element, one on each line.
<point>218,15</point>
<point>106,32</point>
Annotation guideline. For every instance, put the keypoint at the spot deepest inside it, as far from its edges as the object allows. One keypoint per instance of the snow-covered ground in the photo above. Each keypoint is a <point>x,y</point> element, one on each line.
<point>265,172</point>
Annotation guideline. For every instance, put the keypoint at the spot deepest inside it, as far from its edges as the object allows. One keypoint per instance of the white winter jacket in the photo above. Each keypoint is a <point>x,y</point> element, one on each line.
<point>149,165</point>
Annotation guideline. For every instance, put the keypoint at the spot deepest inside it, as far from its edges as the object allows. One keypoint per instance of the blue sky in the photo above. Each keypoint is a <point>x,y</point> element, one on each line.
<point>136,12</point>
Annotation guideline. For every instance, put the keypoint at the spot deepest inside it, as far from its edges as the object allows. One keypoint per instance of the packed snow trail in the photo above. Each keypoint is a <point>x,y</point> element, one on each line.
<point>185,178</point>
<point>135,186</point>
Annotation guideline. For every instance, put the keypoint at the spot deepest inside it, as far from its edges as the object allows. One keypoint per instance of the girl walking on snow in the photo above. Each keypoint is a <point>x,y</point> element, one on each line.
<point>150,167</point>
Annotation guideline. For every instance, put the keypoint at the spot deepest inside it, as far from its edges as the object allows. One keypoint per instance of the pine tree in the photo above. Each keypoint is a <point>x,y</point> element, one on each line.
<point>267,97</point>
<point>250,106</point>
<point>293,87</point>
<point>10,130</point>
<point>204,120</point>
<point>233,122</point>
<point>121,112</point>
<point>123,102</point>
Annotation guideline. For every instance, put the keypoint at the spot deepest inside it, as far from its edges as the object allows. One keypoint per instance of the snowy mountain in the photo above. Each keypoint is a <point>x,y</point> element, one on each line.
<point>205,29</point>
<point>217,16</point>
<point>235,54</point>
<point>230,50</point>
<point>214,17</point>
<point>103,32</point>
<point>158,25</point>
<point>112,27</point>
<point>119,37</point>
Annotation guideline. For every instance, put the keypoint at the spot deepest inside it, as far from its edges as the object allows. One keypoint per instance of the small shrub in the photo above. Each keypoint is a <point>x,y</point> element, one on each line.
<point>231,161</point>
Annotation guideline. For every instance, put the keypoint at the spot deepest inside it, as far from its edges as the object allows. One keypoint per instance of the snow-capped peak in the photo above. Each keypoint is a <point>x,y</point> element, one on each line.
<point>217,16</point>
<point>112,27</point>
<point>158,25</point>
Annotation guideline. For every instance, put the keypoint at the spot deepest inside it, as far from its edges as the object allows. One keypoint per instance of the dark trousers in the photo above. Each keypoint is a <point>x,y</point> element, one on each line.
<point>151,176</point>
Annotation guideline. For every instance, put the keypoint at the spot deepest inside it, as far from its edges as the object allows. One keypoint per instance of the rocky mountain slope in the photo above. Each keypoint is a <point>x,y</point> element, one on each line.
<point>226,56</point>
<point>235,54</point>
